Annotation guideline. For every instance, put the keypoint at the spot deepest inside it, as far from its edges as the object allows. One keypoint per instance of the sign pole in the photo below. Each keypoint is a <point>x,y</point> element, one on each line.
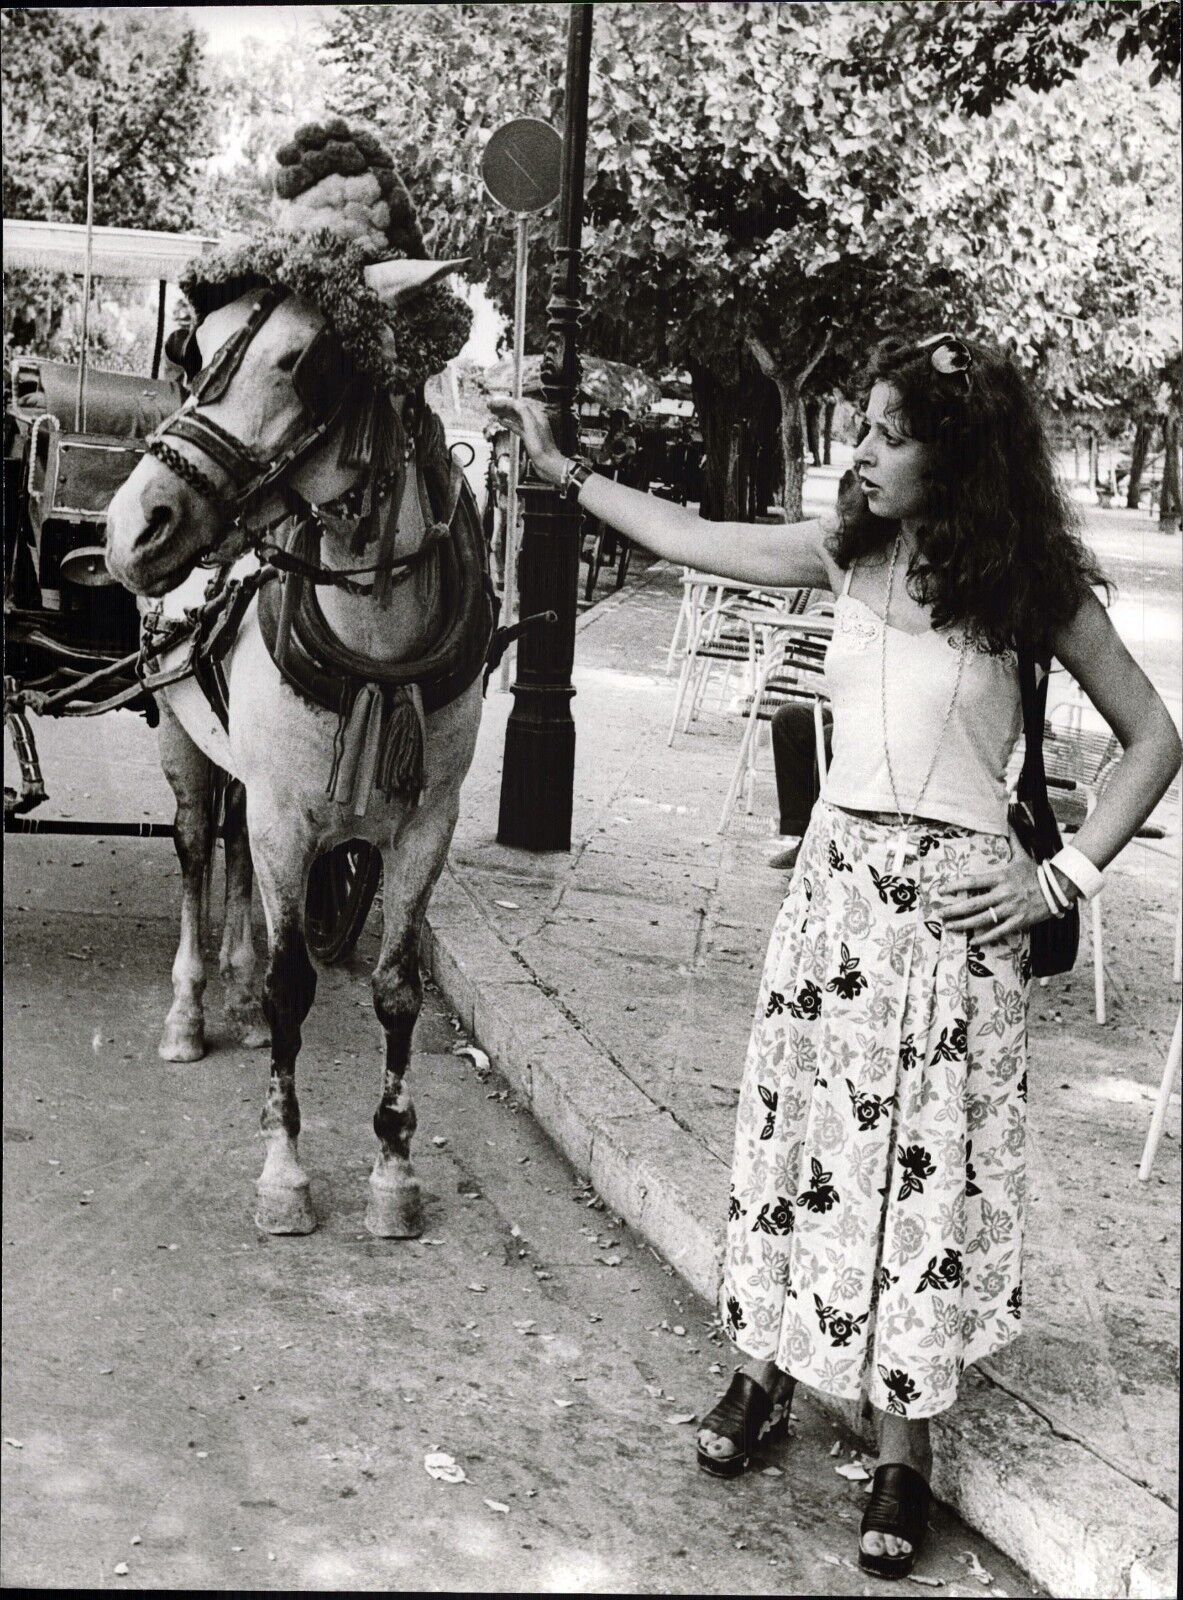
<point>515,444</point>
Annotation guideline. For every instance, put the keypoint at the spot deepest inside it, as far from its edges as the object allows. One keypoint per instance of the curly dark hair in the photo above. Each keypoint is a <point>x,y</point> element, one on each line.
<point>1000,550</point>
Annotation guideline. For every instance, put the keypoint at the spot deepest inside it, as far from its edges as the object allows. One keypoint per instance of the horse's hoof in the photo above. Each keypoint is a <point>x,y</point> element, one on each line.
<point>395,1211</point>
<point>247,1025</point>
<point>179,1043</point>
<point>284,1210</point>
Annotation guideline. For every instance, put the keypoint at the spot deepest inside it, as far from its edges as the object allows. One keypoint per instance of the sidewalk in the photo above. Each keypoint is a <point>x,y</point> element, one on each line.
<point>613,988</point>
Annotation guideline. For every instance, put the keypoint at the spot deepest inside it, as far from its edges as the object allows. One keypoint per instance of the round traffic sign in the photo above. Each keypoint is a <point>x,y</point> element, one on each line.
<point>522,164</point>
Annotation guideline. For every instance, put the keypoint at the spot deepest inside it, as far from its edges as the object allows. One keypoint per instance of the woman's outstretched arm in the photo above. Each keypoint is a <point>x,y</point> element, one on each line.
<point>772,554</point>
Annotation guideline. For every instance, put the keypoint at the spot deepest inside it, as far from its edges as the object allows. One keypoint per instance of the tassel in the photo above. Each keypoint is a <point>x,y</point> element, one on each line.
<point>400,769</point>
<point>350,744</point>
<point>359,428</point>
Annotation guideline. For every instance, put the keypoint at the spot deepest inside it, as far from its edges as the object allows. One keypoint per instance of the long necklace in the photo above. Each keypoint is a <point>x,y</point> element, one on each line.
<point>902,841</point>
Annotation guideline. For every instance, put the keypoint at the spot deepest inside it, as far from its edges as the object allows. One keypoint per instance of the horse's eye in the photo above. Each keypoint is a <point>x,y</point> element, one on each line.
<point>287,361</point>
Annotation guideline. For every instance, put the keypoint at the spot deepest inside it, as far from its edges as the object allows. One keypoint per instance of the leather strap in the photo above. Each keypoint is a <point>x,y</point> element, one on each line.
<point>900,1498</point>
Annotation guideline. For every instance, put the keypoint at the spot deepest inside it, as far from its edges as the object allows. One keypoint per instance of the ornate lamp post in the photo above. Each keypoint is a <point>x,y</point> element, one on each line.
<point>538,769</point>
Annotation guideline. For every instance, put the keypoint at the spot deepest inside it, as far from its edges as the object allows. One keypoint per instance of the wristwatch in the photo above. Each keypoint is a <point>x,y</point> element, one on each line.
<point>575,474</point>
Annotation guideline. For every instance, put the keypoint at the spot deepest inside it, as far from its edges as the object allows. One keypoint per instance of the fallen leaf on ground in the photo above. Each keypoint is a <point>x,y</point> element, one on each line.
<point>497,1505</point>
<point>836,1448</point>
<point>478,1057</point>
<point>923,1577</point>
<point>608,1261</point>
<point>507,905</point>
<point>121,1569</point>
<point>564,1403</point>
<point>976,1569</point>
<point>17,1444</point>
<point>444,1468</point>
<point>688,1416</point>
<point>135,1539</point>
<point>479,1288</point>
<point>439,1139</point>
<point>771,1472</point>
<point>853,1471</point>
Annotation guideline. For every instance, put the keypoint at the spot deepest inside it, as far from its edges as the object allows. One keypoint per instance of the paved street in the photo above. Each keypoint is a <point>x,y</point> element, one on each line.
<point>215,1408</point>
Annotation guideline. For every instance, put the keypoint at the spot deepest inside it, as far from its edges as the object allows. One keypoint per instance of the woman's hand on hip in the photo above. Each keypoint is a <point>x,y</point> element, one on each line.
<point>529,420</point>
<point>994,904</point>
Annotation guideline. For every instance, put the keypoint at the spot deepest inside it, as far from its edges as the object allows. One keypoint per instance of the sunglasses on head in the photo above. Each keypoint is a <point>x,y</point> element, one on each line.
<point>950,356</point>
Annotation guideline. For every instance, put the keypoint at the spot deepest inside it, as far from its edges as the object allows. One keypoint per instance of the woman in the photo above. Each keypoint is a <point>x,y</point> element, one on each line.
<point>877,1201</point>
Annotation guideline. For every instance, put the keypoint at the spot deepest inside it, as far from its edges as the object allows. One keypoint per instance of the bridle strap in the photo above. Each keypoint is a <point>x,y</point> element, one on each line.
<point>250,478</point>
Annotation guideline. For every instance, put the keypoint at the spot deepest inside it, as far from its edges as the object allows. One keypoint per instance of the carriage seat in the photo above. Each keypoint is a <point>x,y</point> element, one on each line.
<point>118,404</point>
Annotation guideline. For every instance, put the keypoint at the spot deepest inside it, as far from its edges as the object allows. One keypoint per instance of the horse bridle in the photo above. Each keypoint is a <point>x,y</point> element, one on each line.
<point>250,476</point>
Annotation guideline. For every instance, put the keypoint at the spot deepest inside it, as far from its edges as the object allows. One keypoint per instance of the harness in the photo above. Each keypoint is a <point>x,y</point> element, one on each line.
<point>380,706</point>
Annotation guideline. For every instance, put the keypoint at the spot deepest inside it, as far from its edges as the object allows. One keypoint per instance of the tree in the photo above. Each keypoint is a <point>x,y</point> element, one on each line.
<point>436,81</point>
<point>757,215</point>
<point>975,55</point>
<point>140,75</point>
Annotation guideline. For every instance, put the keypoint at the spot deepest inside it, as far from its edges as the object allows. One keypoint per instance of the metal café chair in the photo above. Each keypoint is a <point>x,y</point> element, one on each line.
<point>790,669</point>
<point>717,616</point>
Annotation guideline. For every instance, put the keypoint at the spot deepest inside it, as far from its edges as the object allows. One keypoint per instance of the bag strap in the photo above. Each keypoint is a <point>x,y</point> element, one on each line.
<point>1032,786</point>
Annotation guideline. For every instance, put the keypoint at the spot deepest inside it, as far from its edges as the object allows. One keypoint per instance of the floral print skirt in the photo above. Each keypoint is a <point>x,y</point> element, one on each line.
<point>875,1227</point>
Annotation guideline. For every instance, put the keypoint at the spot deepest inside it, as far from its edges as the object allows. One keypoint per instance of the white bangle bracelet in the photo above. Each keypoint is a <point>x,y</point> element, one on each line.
<point>1078,869</point>
<point>1056,887</point>
<point>1046,892</point>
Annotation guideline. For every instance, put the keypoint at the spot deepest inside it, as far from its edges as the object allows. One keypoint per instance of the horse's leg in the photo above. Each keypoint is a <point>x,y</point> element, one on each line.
<point>282,856</point>
<point>411,864</point>
<point>189,773</point>
<point>236,960</point>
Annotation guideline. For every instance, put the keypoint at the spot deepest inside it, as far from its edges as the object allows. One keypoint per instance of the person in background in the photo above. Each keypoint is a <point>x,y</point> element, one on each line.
<point>798,781</point>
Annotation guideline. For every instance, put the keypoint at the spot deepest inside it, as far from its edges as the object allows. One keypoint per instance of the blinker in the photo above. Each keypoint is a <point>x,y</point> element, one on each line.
<point>322,375</point>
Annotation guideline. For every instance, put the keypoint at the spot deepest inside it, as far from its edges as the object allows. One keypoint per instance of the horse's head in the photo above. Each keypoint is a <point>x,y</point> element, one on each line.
<point>272,385</point>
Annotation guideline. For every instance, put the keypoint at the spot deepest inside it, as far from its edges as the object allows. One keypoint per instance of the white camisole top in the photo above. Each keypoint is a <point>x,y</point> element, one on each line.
<point>968,783</point>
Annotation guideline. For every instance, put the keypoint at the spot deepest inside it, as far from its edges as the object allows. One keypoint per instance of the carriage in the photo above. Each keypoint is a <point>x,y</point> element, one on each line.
<point>73,433</point>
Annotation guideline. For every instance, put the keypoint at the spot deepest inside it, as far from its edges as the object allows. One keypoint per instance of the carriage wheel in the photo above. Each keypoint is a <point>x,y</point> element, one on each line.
<point>341,890</point>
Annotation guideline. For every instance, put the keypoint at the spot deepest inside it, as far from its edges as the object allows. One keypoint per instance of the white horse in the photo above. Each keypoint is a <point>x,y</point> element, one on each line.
<point>170,513</point>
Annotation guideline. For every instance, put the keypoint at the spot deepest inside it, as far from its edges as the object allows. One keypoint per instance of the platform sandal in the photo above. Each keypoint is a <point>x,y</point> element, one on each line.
<point>745,1413</point>
<point>900,1498</point>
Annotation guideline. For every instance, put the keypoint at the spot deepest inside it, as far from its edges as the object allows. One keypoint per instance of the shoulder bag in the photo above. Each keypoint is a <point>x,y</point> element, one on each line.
<point>1053,942</point>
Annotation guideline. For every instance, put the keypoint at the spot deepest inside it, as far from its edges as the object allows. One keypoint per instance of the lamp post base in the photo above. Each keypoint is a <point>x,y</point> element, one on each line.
<point>538,776</point>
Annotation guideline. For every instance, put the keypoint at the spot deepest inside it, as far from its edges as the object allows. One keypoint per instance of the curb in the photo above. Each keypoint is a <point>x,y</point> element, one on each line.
<point>1077,1525</point>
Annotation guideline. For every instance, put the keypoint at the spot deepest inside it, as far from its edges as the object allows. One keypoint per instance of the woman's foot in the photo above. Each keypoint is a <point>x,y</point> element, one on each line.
<point>777,1385</point>
<point>906,1443</point>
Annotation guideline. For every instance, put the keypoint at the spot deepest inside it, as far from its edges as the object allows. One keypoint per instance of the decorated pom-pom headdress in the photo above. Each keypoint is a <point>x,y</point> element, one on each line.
<point>346,237</point>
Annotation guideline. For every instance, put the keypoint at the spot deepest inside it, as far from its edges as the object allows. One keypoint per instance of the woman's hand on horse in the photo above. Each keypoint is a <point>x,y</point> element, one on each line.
<point>995,904</point>
<point>529,420</point>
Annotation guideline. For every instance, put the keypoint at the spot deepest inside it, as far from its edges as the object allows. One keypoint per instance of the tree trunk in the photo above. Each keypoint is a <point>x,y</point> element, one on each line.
<point>827,433</point>
<point>1138,462</point>
<point>1075,456</point>
<point>1094,476</point>
<point>1169,507</point>
<point>813,430</point>
<point>720,416</point>
<point>792,447</point>
<point>790,376</point>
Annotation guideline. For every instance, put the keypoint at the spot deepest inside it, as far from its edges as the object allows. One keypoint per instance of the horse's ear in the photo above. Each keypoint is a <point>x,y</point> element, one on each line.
<point>394,280</point>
